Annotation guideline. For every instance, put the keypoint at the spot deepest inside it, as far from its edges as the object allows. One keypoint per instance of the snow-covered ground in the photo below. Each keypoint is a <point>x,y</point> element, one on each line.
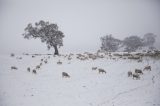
<point>85,87</point>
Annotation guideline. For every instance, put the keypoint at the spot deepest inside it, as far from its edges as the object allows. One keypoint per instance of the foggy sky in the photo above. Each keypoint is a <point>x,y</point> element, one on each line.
<point>82,21</point>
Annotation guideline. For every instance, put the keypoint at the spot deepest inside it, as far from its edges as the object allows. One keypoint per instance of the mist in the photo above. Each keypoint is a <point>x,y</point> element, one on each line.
<point>82,22</point>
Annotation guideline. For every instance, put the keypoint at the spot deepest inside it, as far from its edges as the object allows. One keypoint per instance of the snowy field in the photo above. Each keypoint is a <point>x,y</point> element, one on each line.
<point>85,87</point>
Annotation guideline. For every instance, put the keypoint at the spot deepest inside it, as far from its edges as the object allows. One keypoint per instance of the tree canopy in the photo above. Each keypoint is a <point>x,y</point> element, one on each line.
<point>132,43</point>
<point>149,39</point>
<point>47,32</point>
<point>128,44</point>
<point>109,43</point>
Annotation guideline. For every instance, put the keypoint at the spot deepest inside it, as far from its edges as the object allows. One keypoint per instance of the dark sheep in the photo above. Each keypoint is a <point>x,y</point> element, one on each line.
<point>33,56</point>
<point>40,64</point>
<point>138,71</point>
<point>101,71</point>
<point>14,68</point>
<point>94,68</point>
<point>59,62</point>
<point>34,71</point>
<point>28,69</point>
<point>45,61</point>
<point>64,74</point>
<point>38,67</point>
<point>147,68</point>
<point>135,75</point>
<point>129,73</point>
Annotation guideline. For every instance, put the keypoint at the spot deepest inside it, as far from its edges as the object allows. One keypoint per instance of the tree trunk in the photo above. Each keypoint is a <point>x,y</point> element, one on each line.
<point>56,50</point>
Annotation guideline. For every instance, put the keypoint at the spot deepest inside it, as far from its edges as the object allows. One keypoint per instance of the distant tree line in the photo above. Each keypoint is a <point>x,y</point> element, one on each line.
<point>128,44</point>
<point>50,34</point>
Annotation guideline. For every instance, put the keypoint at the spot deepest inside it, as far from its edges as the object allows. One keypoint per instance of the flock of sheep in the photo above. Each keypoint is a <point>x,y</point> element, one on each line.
<point>100,70</point>
<point>42,61</point>
<point>136,74</point>
<point>93,56</point>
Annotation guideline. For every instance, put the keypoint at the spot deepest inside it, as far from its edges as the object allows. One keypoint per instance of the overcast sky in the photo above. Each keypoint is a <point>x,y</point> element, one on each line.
<point>82,21</point>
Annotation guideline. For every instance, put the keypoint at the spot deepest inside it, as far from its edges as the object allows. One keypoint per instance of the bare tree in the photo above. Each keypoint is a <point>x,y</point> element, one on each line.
<point>47,32</point>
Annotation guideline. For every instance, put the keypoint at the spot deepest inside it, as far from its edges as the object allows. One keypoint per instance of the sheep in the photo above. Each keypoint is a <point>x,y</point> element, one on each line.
<point>26,54</point>
<point>129,73</point>
<point>92,56</point>
<point>34,71</point>
<point>101,71</point>
<point>33,56</point>
<point>41,59</point>
<point>134,57</point>
<point>14,68</point>
<point>94,68</point>
<point>28,69</point>
<point>38,67</point>
<point>83,58</point>
<point>64,74</point>
<point>126,54</point>
<point>138,71</point>
<point>59,62</point>
<point>147,68</point>
<point>135,75</point>
<point>65,56</point>
<point>69,58</point>
<point>40,64</point>
<point>116,54</point>
<point>12,54</point>
<point>100,56</point>
<point>45,61</point>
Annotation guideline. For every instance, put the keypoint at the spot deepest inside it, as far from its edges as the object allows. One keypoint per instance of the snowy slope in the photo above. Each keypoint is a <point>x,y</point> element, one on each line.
<point>85,87</point>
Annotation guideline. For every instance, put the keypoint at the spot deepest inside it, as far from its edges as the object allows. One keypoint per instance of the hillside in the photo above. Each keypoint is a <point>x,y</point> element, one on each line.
<point>85,87</point>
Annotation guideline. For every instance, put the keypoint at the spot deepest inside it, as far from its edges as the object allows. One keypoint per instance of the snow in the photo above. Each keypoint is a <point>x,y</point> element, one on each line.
<point>85,87</point>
